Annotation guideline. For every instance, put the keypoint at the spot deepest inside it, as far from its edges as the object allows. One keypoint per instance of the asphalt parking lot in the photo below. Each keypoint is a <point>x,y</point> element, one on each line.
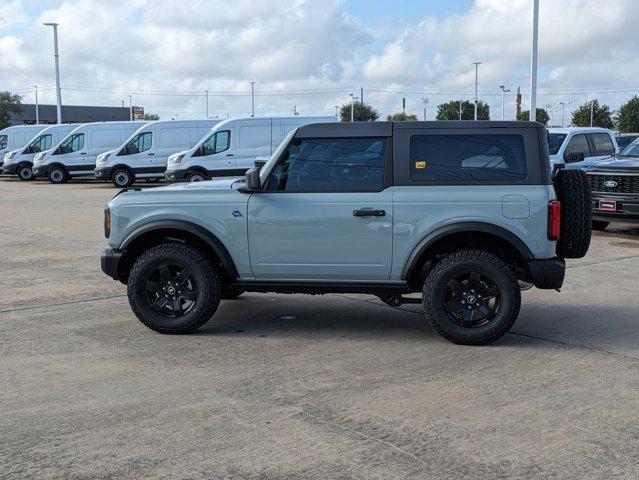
<point>335,386</point>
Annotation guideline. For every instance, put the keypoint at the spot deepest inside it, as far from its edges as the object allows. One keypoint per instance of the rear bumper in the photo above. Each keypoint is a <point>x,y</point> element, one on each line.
<point>547,274</point>
<point>110,261</point>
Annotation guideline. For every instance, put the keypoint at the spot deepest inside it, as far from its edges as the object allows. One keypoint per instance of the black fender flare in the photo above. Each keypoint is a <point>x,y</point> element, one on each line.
<point>202,233</point>
<point>442,232</point>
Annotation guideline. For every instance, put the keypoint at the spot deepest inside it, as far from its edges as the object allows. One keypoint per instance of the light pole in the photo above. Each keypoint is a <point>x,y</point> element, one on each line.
<point>252,99</point>
<point>460,105</point>
<point>504,90</point>
<point>426,101</point>
<point>207,103</point>
<point>533,63</point>
<point>477,64</point>
<point>353,98</point>
<point>37,109</point>
<point>57,69</point>
<point>337,110</point>
<point>131,107</point>
<point>592,111</point>
<point>563,110</point>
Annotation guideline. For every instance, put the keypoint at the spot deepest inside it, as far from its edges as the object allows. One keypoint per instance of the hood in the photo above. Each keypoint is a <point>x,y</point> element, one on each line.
<point>221,184</point>
<point>616,165</point>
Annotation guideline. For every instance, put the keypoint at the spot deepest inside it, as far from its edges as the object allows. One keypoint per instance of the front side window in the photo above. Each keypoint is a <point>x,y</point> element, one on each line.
<point>216,143</point>
<point>468,157</point>
<point>555,140</point>
<point>72,144</point>
<point>603,144</point>
<point>140,143</point>
<point>631,150</point>
<point>3,141</point>
<point>41,143</point>
<point>330,164</point>
<point>578,144</point>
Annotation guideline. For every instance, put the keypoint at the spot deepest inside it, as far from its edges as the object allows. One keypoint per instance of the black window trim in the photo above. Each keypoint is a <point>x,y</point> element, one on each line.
<point>388,164</point>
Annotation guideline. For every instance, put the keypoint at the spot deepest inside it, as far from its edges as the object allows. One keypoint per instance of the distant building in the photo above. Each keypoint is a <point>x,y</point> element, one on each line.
<point>75,114</point>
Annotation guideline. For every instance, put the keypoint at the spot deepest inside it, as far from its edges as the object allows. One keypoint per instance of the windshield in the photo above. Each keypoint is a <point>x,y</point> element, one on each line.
<point>73,143</point>
<point>268,166</point>
<point>139,143</point>
<point>40,143</point>
<point>631,150</point>
<point>3,141</point>
<point>554,142</point>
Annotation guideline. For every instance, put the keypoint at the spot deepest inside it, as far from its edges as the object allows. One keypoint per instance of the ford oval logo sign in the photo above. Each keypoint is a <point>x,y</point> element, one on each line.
<point>610,184</point>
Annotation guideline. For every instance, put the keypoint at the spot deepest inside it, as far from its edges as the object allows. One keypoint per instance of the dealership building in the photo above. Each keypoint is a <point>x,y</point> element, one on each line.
<point>74,114</point>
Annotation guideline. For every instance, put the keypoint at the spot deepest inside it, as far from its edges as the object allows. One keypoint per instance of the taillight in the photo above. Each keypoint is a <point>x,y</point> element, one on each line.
<point>107,222</point>
<point>554,220</point>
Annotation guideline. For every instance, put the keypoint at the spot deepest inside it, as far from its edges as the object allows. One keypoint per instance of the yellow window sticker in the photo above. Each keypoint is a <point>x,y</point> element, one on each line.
<point>420,165</point>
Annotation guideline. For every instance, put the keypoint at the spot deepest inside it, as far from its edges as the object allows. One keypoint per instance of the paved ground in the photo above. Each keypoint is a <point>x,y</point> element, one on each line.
<point>301,387</point>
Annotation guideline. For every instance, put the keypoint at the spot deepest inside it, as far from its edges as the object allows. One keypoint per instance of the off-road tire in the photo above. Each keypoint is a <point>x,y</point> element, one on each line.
<point>25,173</point>
<point>600,225</point>
<point>475,261</point>
<point>122,177</point>
<point>573,191</point>
<point>58,175</point>
<point>204,272</point>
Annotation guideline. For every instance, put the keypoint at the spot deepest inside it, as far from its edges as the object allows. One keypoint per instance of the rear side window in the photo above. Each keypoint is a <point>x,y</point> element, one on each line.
<point>175,138</point>
<point>3,141</point>
<point>330,164</point>
<point>468,157</point>
<point>603,143</point>
<point>257,136</point>
<point>578,144</point>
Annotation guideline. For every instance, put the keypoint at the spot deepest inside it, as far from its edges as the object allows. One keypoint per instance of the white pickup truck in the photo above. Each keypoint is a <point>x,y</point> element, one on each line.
<point>579,147</point>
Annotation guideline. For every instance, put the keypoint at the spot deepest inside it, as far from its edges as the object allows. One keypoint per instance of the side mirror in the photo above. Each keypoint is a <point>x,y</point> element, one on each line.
<point>574,157</point>
<point>260,162</point>
<point>252,178</point>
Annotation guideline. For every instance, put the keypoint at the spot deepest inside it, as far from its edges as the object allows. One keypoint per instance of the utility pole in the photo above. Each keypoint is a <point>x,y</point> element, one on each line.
<point>295,110</point>
<point>131,107</point>
<point>460,105</point>
<point>337,110</point>
<point>477,64</point>
<point>504,90</point>
<point>425,100</point>
<point>361,94</point>
<point>533,63</point>
<point>353,98</point>
<point>57,70</point>
<point>207,103</point>
<point>592,111</point>
<point>252,99</point>
<point>404,106</point>
<point>37,108</point>
<point>563,110</point>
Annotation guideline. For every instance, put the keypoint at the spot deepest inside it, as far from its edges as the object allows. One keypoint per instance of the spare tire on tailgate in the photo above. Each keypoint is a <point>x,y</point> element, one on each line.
<point>573,191</point>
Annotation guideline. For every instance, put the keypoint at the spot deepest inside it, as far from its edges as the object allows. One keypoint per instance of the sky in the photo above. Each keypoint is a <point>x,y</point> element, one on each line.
<point>310,54</point>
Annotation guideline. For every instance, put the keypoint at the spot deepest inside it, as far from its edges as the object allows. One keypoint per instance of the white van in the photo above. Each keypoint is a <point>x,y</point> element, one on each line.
<point>16,137</point>
<point>19,161</point>
<point>232,146</point>
<point>75,155</point>
<point>145,153</point>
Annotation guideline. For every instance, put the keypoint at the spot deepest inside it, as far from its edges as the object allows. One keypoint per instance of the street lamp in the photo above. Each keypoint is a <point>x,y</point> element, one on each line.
<point>57,69</point>
<point>252,99</point>
<point>426,102</point>
<point>563,109</point>
<point>477,64</point>
<point>353,99</point>
<point>504,90</point>
<point>533,63</point>
<point>592,111</point>
<point>37,109</point>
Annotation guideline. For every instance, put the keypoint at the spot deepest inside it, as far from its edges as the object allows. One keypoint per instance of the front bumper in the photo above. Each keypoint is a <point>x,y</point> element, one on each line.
<point>40,171</point>
<point>110,261</point>
<point>103,173</point>
<point>627,208</point>
<point>175,175</point>
<point>9,169</point>
<point>547,274</point>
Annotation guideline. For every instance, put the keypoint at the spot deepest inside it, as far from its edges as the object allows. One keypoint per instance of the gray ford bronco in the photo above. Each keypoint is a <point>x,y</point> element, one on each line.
<point>462,212</point>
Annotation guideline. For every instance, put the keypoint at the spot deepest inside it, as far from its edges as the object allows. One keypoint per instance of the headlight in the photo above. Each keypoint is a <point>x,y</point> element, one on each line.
<point>175,159</point>
<point>103,157</point>
<point>9,156</point>
<point>38,157</point>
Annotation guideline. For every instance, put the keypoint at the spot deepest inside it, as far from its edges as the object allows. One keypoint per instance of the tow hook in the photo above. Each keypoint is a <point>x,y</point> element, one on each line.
<point>397,300</point>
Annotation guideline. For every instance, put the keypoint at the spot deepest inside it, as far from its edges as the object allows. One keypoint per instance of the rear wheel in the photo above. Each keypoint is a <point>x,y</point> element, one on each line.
<point>173,288</point>
<point>599,225</point>
<point>122,178</point>
<point>25,173</point>
<point>471,297</point>
<point>196,177</point>
<point>58,174</point>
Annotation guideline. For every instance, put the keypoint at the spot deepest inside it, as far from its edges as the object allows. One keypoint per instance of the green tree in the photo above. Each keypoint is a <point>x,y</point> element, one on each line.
<point>542,116</point>
<point>450,110</point>
<point>151,116</point>
<point>401,117</point>
<point>602,116</point>
<point>9,104</point>
<point>627,118</point>
<point>363,112</point>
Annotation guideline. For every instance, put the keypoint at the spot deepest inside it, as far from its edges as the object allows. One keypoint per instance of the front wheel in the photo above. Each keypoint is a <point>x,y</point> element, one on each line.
<point>122,178</point>
<point>25,173</point>
<point>471,297</point>
<point>173,288</point>
<point>58,175</point>
<point>196,177</point>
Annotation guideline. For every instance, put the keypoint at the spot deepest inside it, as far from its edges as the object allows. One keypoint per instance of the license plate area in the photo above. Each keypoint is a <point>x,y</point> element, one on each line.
<point>607,205</point>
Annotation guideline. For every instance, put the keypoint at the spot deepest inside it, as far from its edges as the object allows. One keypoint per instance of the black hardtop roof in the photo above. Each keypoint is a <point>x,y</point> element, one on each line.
<point>386,128</point>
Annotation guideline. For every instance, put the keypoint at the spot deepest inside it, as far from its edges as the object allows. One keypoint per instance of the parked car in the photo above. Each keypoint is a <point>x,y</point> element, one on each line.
<point>20,161</point>
<point>578,147</point>
<point>459,211</point>
<point>15,137</point>
<point>615,188</point>
<point>625,139</point>
<point>145,153</point>
<point>75,155</point>
<point>232,146</point>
